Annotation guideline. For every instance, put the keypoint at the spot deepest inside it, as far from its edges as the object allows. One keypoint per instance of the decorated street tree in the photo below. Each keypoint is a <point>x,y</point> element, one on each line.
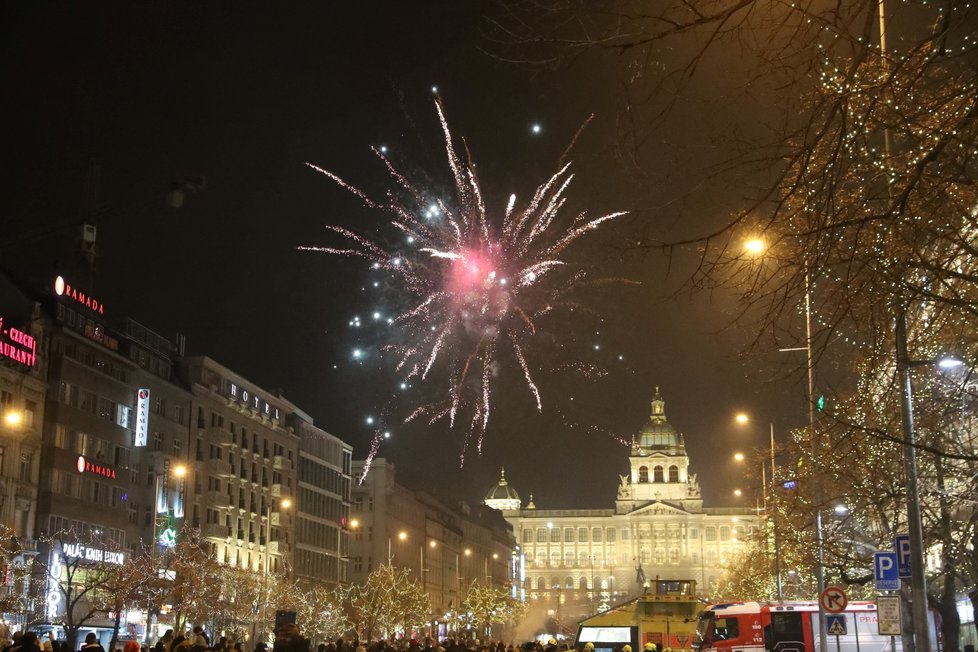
<point>487,605</point>
<point>390,601</point>
<point>320,611</point>
<point>80,575</point>
<point>194,578</point>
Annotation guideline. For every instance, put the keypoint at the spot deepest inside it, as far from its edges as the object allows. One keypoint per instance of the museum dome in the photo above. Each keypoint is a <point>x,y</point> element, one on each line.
<point>658,434</point>
<point>502,496</point>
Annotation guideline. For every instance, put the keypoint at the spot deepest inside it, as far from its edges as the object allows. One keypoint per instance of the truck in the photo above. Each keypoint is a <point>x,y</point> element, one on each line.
<point>666,614</point>
<point>793,627</point>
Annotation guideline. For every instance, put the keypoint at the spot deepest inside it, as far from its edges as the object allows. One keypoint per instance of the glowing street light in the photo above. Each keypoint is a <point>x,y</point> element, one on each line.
<point>741,418</point>
<point>180,471</point>
<point>13,418</point>
<point>738,457</point>
<point>755,246</point>
<point>738,492</point>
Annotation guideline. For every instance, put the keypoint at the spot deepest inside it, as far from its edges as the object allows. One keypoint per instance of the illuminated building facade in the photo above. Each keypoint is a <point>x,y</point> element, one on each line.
<point>585,559</point>
<point>323,504</point>
<point>243,456</point>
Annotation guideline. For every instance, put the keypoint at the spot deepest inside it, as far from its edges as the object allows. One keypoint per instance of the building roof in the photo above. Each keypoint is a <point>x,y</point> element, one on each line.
<point>502,490</point>
<point>658,434</point>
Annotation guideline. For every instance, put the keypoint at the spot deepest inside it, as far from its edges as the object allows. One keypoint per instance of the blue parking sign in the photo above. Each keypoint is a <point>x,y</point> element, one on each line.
<point>886,572</point>
<point>901,543</point>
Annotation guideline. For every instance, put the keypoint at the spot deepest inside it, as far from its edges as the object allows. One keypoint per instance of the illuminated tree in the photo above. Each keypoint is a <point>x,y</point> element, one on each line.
<point>390,601</point>
<point>486,605</point>
<point>320,611</point>
<point>194,578</point>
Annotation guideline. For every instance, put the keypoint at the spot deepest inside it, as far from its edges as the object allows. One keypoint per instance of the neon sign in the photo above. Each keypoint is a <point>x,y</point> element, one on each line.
<point>85,465</point>
<point>17,345</point>
<point>141,432</point>
<point>63,288</point>
<point>168,538</point>
<point>88,553</point>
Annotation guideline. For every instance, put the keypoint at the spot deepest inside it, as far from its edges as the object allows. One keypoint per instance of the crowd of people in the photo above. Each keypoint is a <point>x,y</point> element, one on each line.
<point>288,638</point>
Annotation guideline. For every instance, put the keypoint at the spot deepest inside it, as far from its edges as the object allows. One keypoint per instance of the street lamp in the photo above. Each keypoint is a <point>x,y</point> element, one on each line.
<point>918,579</point>
<point>757,246</point>
<point>13,418</point>
<point>744,418</point>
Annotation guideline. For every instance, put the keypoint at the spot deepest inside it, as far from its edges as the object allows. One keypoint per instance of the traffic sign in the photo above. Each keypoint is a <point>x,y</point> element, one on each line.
<point>901,543</point>
<point>836,624</point>
<point>885,571</point>
<point>889,615</point>
<point>834,600</point>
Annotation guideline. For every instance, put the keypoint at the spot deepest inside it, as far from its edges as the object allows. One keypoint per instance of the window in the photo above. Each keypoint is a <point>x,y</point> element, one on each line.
<point>61,436</point>
<point>644,556</point>
<point>527,536</point>
<point>157,441</point>
<point>660,556</point>
<point>724,533</point>
<point>596,535</point>
<point>541,535</point>
<point>555,535</point>
<point>626,534</point>
<point>673,473</point>
<point>694,533</point>
<point>159,405</point>
<point>30,409</point>
<point>569,558</point>
<point>711,533</point>
<point>725,629</point>
<point>611,534</point>
<point>555,559</point>
<point>643,474</point>
<point>177,447</point>
<point>81,443</point>
<point>657,474</point>
<point>179,414</point>
<point>541,584</point>
<point>26,462</point>
<point>568,535</point>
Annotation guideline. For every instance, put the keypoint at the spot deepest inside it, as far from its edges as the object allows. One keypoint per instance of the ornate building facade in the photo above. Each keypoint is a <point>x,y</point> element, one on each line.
<point>582,560</point>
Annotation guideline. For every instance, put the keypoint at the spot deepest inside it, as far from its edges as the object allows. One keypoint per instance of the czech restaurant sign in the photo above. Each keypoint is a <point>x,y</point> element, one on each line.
<point>17,345</point>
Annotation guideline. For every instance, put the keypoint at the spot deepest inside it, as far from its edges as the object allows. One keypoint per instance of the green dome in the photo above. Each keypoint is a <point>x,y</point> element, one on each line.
<point>502,490</point>
<point>658,433</point>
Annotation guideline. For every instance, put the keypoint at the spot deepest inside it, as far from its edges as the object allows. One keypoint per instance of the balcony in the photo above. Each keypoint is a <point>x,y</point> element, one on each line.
<point>275,518</point>
<point>276,490</point>
<point>215,531</point>
<point>219,436</point>
<point>278,463</point>
<point>273,548</point>
<point>219,468</point>
<point>217,499</point>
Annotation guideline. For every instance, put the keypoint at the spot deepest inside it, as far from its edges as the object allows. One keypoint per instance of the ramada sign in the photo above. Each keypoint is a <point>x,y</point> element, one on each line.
<point>65,289</point>
<point>85,465</point>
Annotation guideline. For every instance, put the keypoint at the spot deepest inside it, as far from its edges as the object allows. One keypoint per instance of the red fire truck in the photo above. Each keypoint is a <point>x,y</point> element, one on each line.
<point>791,627</point>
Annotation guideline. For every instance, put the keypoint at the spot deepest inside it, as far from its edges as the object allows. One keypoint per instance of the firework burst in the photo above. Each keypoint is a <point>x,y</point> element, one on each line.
<point>477,283</point>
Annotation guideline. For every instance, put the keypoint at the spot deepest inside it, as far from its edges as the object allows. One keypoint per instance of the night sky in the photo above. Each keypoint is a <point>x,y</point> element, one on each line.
<point>109,103</point>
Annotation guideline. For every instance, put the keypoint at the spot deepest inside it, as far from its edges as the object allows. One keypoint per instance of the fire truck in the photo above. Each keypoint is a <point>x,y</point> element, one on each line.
<point>665,615</point>
<point>792,627</point>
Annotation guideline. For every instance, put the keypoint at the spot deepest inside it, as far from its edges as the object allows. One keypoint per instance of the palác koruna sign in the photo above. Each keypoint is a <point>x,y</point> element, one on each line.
<point>85,465</point>
<point>65,289</point>
<point>17,345</point>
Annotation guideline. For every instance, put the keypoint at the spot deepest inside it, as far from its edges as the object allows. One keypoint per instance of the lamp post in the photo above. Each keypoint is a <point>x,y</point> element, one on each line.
<point>401,536</point>
<point>756,247</point>
<point>918,578</point>
<point>742,418</point>
<point>283,505</point>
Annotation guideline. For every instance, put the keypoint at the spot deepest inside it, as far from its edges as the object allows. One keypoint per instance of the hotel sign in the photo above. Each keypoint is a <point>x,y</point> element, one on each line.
<point>88,553</point>
<point>17,345</point>
<point>255,402</point>
<point>63,288</point>
<point>141,432</point>
<point>85,465</point>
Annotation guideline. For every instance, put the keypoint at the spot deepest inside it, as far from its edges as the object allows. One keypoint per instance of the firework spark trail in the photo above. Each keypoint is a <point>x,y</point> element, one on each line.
<point>471,281</point>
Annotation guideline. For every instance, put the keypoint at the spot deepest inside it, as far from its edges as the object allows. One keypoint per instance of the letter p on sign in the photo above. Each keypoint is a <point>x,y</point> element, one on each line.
<point>885,571</point>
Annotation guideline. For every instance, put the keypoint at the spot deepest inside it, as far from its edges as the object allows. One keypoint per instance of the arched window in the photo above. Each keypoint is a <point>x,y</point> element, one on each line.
<point>582,559</point>
<point>657,474</point>
<point>541,584</point>
<point>569,558</point>
<point>643,474</point>
<point>673,473</point>
<point>569,582</point>
<point>644,555</point>
<point>583,584</point>
<point>555,559</point>
<point>555,582</point>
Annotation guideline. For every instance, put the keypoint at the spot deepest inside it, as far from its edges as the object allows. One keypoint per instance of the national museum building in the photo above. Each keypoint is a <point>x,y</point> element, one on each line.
<point>586,559</point>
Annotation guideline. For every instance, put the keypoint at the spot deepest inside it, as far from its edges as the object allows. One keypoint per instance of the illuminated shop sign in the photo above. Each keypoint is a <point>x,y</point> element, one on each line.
<point>253,401</point>
<point>141,433</point>
<point>85,465</point>
<point>89,553</point>
<point>17,345</point>
<point>65,289</point>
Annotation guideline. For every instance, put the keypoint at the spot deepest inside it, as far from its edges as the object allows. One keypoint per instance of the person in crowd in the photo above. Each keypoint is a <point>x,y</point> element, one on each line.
<point>92,644</point>
<point>165,641</point>
<point>289,639</point>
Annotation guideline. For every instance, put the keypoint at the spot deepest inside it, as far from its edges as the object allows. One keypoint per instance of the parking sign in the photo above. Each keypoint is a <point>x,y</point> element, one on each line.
<point>885,571</point>
<point>901,543</point>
